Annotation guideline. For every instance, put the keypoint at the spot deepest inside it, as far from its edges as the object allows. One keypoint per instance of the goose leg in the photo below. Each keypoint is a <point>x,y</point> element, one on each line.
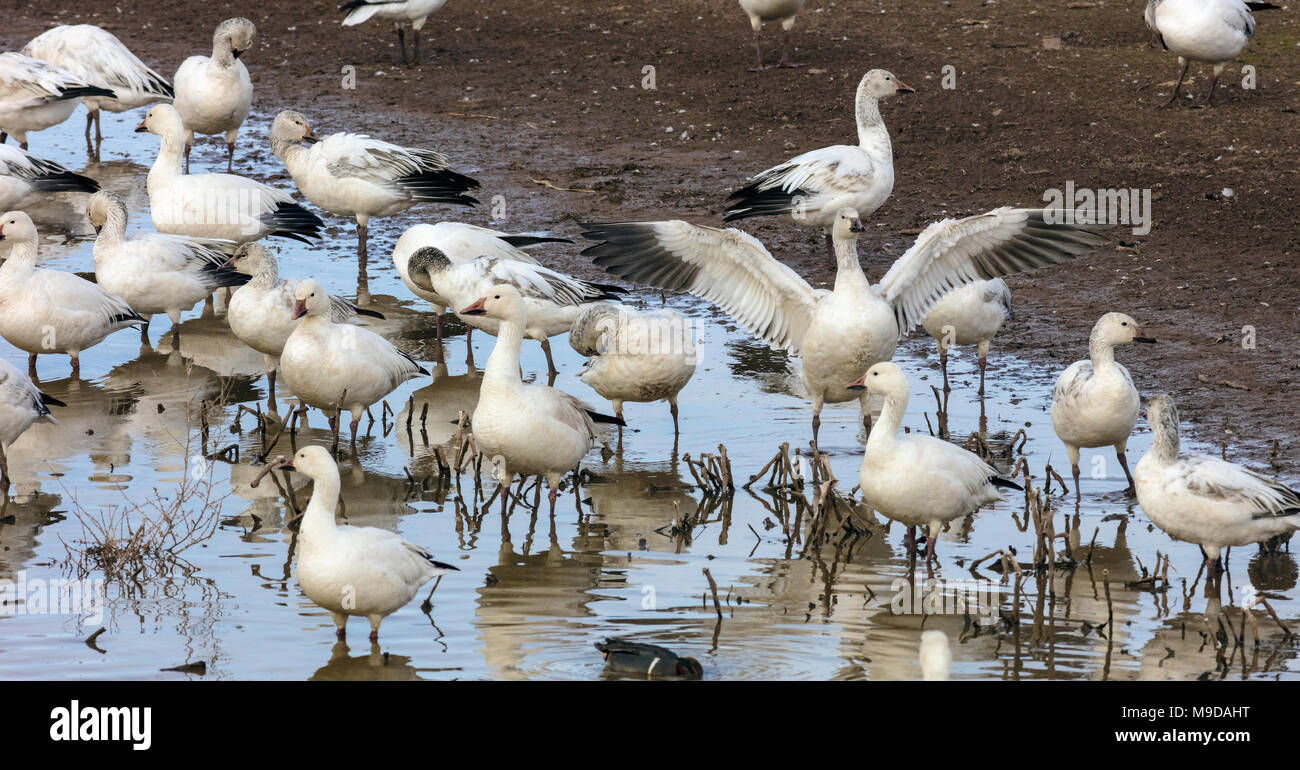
<point>758,50</point>
<point>817,424</point>
<point>334,432</point>
<point>929,545</point>
<point>374,629</point>
<point>4,472</point>
<point>144,332</point>
<point>270,389</point>
<point>550,362</point>
<point>187,157</point>
<point>553,496</point>
<point>1179,84</point>
<point>1123,463</point>
<point>99,117</point>
<point>363,232</point>
<point>785,51</point>
<point>401,42</point>
<point>943,363</point>
<point>230,156</point>
<point>340,624</point>
<point>415,34</point>
<point>672,408</point>
<point>1218,70</point>
<point>76,366</point>
<point>355,423</point>
<point>31,364</point>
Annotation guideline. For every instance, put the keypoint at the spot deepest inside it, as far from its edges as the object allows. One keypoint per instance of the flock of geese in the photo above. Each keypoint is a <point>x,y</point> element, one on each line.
<point>209,228</point>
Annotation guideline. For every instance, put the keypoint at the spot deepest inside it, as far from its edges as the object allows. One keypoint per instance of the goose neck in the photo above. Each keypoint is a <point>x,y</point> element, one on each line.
<point>884,432</point>
<point>318,519</point>
<point>871,126</point>
<point>849,274</point>
<point>503,364</point>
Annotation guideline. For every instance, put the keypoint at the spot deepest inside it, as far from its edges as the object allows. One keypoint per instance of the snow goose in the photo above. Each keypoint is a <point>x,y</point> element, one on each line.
<point>21,405</point>
<point>1212,31</point>
<point>812,188</point>
<point>35,95</point>
<point>23,176</point>
<point>97,57</point>
<point>363,571</point>
<point>460,243</point>
<point>400,12</point>
<point>638,356</point>
<point>260,312</point>
<point>155,272</point>
<point>840,333</point>
<point>1094,403</point>
<point>915,479</point>
<point>213,93</point>
<point>969,315</point>
<point>527,428</point>
<point>760,11</point>
<point>935,655</point>
<point>339,367</point>
<point>1205,500</point>
<point>553,299</point>
<point>354,175</point>
<point>224,206</point>
<point>49,311</point>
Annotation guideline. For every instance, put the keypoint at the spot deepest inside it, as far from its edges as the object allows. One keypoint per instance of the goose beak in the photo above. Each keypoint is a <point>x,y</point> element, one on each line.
<point>97,228</point>
<point>140,129</point>
<point>1148,340</point>
<point>237,52</point>
<point>475,309</point>
<point>229,263</point>
<point>2,232</point>
<point>856,226</point>
<point>287,465</point>
<point>310,137</point>
<point>299,310</point>
<point>858,384</point>
<point>904,89</point>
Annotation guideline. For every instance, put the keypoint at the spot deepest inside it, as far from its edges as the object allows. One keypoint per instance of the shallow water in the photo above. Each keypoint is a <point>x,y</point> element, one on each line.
<point>531,597</point>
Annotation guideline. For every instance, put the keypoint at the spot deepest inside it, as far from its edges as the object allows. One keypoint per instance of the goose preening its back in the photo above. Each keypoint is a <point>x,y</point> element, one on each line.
<point>50,311</point>
<point>401,12</point>
<point>1094,403</point>
<point>353,571</point>
<point>214,93</point>
<point>527,429</point>
<point>1211,31</point>
<point>1205,500</point>
<point>634,355</point>
<point>35,95</point>
<point>915,479</point>
<point>355,175</point>
<point>760,11</point>
<point>812,188</point>
<point>21,405</point>
<point>97,57</point>
<point>224,206</point>
<point>23,176</point>
<point>840,333</point>
<point>969,315</point>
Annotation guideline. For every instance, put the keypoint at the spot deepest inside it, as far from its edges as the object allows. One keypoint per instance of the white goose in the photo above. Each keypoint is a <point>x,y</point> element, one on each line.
<point>354,175</point>
<point>839,334</point>
<point>155,272</point>
<point>1212,31</point>
<point>339,367</point>
<point>260,312</point>
<point>553,299</point>
<point>23,177</point>
<point>353,571</point>
<point>21,405</point>
<point>97,57</point>
<point>224,206</point>
<point>812,188</point>
<point>638,356</point>
<point>529,429</point>
<point>1204,500</point>
<point>915,479</point>
<point>969,315</point>
<point>1094,403</point>
<point>49,311</point>
<point>760,11</point>
<point>214,93</point>
<point>935,655</point>
<point>35,95</point>
<point>401,12</point>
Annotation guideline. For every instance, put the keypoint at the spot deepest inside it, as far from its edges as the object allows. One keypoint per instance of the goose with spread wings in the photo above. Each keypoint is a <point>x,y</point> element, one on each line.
<point>842,332</point>
<point>35,95</point>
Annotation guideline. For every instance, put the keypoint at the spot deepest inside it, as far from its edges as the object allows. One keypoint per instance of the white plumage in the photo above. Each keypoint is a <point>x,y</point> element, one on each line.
<point>935,655</point>
<point>1205,500</point>
<point>402,13</point>
<point>49,311</point>
<point>841,333</point>
<point>353,571</point>
<point>21,405</point>
<point>1211,31</point>
<point>35,95</point>
<point>24,177</point>
<point>1094,403</point>
<point>969,315</point>
<point>760,11</point>
<point>214,93</point>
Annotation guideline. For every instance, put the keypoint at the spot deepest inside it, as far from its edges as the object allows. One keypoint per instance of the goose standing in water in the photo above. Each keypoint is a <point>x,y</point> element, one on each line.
<point>401,12</point>
<point>21,405</point>
<point>1094,403</point>
<point>760,11</point>
<point>969,315</point>
<point>214,93</point>
<point>814,187</point>
<point>35,95</point>
<point>838,334</point>
<point>353,571</point>
<point>96,56</point>
<point>528,429</point>
<point>224,206</point>
<point>50,311</point>
<point>155,272</point>
<point>354,175</point>
<point>918,480</point>
<point>1211,31</point>
<point>23,176</point>
<point>260,312</point>
<point>638,356</point>
<point>1205,500</point>
<point>339,367</point>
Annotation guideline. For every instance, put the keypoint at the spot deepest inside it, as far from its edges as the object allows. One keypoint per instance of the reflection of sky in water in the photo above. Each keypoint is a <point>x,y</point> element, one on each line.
<point>531,598</point>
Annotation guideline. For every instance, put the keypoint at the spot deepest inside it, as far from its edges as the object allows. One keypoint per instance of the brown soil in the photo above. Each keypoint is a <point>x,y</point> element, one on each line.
<point>522,90</point>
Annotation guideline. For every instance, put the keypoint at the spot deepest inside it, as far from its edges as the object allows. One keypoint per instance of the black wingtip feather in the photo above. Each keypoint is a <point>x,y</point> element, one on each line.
<point>998,481</point>
<point>49,400</point>
<point>65,181</point>
<point>369,313</point>
<point>597,417</point>
<point>524,241</point>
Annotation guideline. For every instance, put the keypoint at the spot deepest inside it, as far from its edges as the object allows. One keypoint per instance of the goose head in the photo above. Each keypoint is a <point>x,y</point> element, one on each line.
<point>101,205</point>
<point>238,33</point>
<point>1162,417</point>
<point>847,225</point>
<point>310,299</point>
<point>502,302</point>
<point>250,258</point>
<point>884,378</point>
<point>16,227</point>
<point>425,263</point>
<point>313,462</point>
<point>589,328</point>
<point>881,83</point>
<point>164,121</point>
<point>290,126</point>
<point>1118,329</point>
